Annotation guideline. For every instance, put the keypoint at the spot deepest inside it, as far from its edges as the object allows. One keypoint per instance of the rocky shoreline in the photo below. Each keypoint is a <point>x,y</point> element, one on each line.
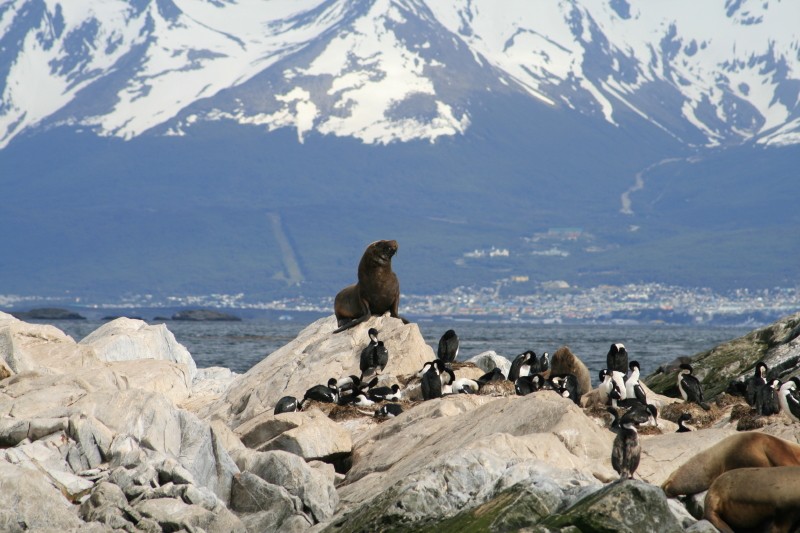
<point>121,432</point>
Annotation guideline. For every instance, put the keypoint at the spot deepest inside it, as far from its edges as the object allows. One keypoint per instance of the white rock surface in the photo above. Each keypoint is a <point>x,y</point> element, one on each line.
<point>129,339</point>
<point>315,356</point>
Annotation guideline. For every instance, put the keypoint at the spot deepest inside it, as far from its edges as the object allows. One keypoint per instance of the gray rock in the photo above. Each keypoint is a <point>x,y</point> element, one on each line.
<point>489,360</point>
<point>106,504</point>
<point>313,357</point>
<point>264,506</point>
<point>702,526</point>
<point>93,438</point>
<point>311,435</point>
<point>289,471</point>
<point>124,451</point>
<point>629,506</point>
<point>31,502</point>
<point>172,515</point>
<point>127,339</point>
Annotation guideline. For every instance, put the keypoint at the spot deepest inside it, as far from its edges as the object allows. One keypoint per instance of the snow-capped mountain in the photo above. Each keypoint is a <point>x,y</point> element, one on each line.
<point>708,73</point>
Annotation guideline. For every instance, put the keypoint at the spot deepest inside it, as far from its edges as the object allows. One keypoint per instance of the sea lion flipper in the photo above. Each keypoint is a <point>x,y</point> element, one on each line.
<point>354,322</point>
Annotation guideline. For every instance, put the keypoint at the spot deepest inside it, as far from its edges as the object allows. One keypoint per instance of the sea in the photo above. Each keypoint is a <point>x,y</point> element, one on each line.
<point>239,345</point>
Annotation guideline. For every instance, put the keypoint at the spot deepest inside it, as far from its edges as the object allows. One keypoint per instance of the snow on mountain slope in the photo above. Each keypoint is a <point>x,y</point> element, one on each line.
<point>394,70</point>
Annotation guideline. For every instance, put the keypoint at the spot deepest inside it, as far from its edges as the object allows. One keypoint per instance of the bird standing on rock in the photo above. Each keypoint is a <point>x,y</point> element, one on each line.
<point>755,382</point>
<point>323,393</point>
<point>523,365</point>
<point>767,401</point>
<point>448,346</point>
<point>626,450</point>
<point>374,356</point>
<point>689,386</point>
<point>617,358</point>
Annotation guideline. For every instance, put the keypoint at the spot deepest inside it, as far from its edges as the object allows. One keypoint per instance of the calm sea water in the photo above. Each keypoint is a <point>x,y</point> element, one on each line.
<point>240,345</point>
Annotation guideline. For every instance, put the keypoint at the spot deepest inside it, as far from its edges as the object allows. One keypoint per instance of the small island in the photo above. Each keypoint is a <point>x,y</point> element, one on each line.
<point>48,313</point>
<point>204,315</point>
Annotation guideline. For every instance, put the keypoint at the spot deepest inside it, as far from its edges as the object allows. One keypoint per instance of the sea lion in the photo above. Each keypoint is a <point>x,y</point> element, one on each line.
<point>565,362</point>
<point>376,292</point>
<point>755,499</point>
<point>742,450</point>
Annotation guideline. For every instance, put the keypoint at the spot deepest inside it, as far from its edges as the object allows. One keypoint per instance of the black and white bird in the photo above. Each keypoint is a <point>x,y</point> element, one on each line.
<point>374,356</point>
<point>605,386</point>
<point>689,386</point>
<point>287,404</point>
<point>524,364</point>
<point>634,389</point>
<point>567,386</point>
<point>431,381</point>
<point>494,374</point>
<point>384,393</point>
<point>617,358</point>
<point>322,393</point>
<point>758,379</point>
<point>359,399</point>
<point>388,410</point>
<point>544,363</point>
<point>685,417</point>
<point>465,386</point>
<point>790,403</point>
<point>767,402</point>
<point>348,383</point>
<point>448,346</point>
<point>528,384</point>
<point>626,450</point>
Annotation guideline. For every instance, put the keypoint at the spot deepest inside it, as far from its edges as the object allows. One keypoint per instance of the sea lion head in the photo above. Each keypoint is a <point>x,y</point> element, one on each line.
<point>383,251</point>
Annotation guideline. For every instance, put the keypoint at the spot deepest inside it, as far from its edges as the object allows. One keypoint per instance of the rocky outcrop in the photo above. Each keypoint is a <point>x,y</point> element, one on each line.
<point>778,345</point>
<point>120,432</point>
<point>48,313</point>
<point>129,339</point>
<point>204,315</point>
<point>315,356</point>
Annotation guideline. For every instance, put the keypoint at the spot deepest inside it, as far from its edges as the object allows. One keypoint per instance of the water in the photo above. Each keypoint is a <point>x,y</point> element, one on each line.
<point>240,345</point>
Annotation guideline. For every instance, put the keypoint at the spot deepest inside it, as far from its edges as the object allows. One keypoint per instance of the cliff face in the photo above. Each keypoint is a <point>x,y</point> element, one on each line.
<point>778,345</point>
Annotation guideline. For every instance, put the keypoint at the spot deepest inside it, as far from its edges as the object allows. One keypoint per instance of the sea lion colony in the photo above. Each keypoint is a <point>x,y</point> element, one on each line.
<point>733,502</point>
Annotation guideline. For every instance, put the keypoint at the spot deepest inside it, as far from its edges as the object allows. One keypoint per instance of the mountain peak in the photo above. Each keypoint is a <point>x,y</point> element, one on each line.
<point>397,70</point>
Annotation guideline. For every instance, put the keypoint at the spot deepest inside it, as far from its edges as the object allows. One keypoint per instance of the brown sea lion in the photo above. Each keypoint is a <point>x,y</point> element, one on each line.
<point>755,499</point>
<point>565,362</point>
<point>743,450</point>
<point>376,292</point>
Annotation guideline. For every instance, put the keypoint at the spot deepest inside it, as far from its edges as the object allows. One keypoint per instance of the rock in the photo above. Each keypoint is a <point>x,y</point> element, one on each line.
<point>32,502</point>
<point>48,313</point>
<point>39,347</point>
<point>311,435</point>
<point>312,358</point>
<point>475,443</point>
<point>174,515</point>
<point>314,488</point>
<point>106,504</point>
<point>251,494</point>
<point>778,345</point>
<point>488,361</point>
<point>202,315</point>
<point>663,454</point>
<point>627,506</point>
<point>702,526</point>
<point>127,339</point>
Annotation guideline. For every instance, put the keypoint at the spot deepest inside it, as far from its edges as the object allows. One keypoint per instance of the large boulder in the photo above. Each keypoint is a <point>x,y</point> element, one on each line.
<point>451,454</point>
<point>128,339</point>
<point>28,501</point>
<point>310,434</point>
<point>316,355</point>
<point>40,347</point>
<point>314,487</point>
<point>623,507</point>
